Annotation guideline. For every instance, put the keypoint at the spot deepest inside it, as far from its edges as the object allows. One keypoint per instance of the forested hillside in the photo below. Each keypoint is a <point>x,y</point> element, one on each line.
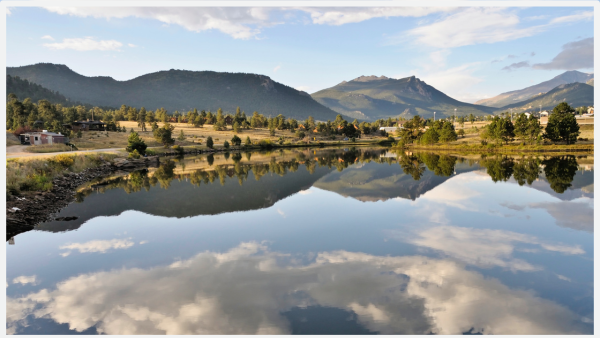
<point>179,90</point>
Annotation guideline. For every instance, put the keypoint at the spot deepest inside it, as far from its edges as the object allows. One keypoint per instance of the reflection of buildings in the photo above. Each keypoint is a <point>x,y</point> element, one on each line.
<point>11,241</point>
<point>586,167</point>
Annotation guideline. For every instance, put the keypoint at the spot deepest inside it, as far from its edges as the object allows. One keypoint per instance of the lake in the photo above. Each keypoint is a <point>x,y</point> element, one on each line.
<point>316,241</point>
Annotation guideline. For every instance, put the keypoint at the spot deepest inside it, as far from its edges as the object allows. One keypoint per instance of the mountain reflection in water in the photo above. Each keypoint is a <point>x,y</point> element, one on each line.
<point>320,241</point>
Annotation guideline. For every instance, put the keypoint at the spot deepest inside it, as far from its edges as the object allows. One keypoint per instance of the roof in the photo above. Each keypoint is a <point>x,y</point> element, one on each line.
<point>43,133</point>
<point>88,122</point>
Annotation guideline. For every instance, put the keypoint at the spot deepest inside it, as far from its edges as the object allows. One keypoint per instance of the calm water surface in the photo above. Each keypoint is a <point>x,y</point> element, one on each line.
<point>316,241</point>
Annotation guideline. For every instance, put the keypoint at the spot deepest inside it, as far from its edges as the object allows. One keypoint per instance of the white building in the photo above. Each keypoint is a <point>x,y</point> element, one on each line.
<point>389,129</point>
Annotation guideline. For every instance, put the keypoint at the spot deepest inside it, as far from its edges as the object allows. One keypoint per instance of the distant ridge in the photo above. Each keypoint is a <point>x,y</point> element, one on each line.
<point>375,97</point>
<point>516,96</point>
<point>179,90</point>
<point>575,94</point>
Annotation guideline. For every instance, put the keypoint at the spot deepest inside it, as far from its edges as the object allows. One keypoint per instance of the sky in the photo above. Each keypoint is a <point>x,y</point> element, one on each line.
<point>469,53</point>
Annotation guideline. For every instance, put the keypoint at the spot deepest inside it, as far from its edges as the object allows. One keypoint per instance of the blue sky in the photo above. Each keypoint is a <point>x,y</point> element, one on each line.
<point>469,53</point>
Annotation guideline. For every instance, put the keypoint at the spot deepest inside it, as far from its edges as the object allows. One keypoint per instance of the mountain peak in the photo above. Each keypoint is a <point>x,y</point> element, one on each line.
<point>363,78</point>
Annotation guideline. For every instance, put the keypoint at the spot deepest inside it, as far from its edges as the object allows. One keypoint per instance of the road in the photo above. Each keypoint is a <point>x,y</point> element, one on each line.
<point>19,151</point>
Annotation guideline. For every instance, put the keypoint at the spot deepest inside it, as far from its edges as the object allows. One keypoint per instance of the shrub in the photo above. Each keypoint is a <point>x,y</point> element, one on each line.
<point>209,142</point>
<point>226,145</point>
<point>178,149</point>
<point>63,160</point>
<point>150,152</point>
<point>134,154</point>
<point>265,144</point>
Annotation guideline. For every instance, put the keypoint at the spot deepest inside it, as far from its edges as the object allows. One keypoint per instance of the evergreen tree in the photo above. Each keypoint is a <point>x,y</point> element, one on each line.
<point>135,142</point>
<point>181,136</point>
<point>236,141</point>
<point>209,142</point>
<point>164,135</point>
<point>236,127</point>
<point>248,142</point>
<point>562,125</point>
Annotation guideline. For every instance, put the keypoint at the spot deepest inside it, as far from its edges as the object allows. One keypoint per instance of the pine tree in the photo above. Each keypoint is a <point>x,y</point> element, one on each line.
<point>209,142</point>
<point>562,125</point>
<point>135,142</point>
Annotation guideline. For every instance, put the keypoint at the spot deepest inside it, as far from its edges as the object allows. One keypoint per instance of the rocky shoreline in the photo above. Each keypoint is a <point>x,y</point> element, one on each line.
<point>23,213</point>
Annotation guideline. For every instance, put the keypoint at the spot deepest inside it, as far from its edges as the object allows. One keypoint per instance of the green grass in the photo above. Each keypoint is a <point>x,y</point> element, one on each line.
<point>37,174</point>
<point>48,148</point>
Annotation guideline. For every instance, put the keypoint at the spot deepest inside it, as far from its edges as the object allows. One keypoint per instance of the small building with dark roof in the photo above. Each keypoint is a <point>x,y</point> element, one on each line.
<point>86,126</point>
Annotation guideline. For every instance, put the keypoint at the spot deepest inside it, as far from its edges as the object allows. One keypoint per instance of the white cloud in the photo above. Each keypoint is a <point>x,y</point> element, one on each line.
<point>279,211</point>
<point>25,280</point>
<point>210,295</point>
<point>345,15</point>
<point>8,12</point>
<point>485,247</point>
<point>278,67</point>
<point>131,45</point>
<point>47,37</point>
<point>304,192</point>
<point>575,55</point>
<point>85,44</point>
<point>238,22</point>
<point>478,25</point>
<point>100,246</point>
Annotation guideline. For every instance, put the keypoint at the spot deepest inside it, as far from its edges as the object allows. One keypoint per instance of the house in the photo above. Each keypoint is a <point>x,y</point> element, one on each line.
<point>527,114</point>
<point>388,129</point>
<point>302,127</point>
<point>86,126</point>
<point>228,120</point>
<point>43,137</point>
<point>590,110</point>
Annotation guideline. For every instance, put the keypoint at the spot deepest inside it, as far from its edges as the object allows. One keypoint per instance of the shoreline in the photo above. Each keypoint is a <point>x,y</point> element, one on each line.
<point>25,212</point>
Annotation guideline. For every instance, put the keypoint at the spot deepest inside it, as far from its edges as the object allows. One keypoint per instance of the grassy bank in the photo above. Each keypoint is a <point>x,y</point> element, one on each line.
<point>511,148</point>
<point>24,175</point>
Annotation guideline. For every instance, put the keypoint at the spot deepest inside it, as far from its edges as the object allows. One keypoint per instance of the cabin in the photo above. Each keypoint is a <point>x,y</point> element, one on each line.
<point>86,126</point>
<point>43,137</point>
<point>228,120</point>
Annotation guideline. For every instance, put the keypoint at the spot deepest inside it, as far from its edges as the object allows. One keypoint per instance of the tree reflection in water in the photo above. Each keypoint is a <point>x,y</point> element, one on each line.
<point>559,171</point>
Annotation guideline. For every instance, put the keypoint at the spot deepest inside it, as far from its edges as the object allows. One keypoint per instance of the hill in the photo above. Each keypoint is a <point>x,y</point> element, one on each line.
<point>590,82</point>
<point>179,90</point>
<point>516,96</point>
<point>575,94</point>
<point>25,89</point>
<point>372,98</point>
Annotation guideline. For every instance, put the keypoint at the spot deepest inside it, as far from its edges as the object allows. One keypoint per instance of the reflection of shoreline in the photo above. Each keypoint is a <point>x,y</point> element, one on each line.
<point>246,289</point>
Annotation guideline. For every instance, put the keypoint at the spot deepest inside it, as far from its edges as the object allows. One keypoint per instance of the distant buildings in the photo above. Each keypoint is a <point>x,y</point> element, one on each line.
<point>389,129</point>
<point>86,126</point>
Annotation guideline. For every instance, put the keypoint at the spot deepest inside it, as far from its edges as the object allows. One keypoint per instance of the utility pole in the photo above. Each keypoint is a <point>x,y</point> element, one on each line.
<point>455,116</point>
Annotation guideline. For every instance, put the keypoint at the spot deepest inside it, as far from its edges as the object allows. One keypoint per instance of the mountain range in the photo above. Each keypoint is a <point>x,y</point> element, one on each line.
<point>179,90</point>
<point>372,98</point>
<point>575,94</point>
<point>366,98</point>
<point>515,96</point>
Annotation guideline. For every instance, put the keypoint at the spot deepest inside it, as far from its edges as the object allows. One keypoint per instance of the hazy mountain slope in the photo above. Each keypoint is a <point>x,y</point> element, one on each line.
<point>371,98</point>
<point>575,94</point>
<point>516,96</point>
<point>24,89</point>
<point>590,82</point>
<point>179,90</point>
